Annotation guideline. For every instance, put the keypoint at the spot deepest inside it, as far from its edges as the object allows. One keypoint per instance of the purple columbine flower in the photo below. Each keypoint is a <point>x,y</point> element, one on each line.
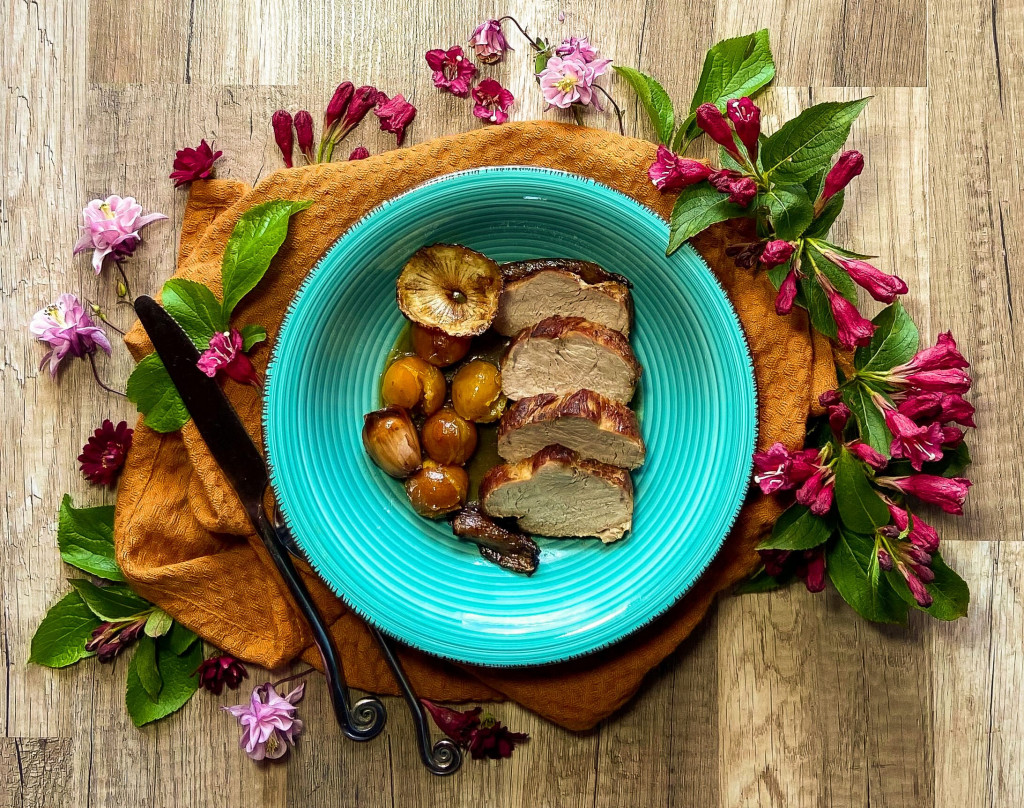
<point>111,226</point>
<point>68,330</point>
<point>269,722</point>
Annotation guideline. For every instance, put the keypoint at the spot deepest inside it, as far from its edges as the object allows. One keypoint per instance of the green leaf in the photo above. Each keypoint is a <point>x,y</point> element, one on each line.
<point>180,639</point>
<point>179,684</point>
<point>732,69</point>
<point>254,242</point>
<point>823,221</point>
<point>61,637</point>
<point>797,529</point>
<point>790,210</point>
<point>195,309</point>
<point>761,581</point>
<point>805,145</point>
<point>950,594</point>
<point>653,99</point>
<point>894,342</point>
<point>852,566</point>
<point>158,624</point>
<point>860,508</point>
<point>86,539</point>
<point>818,307</point>
<point>697,208</point>
<point>112,603</point>
<point>543,55</point>
<point>151,390</point>
<point>145,667</point>
<point>836,275</point>
<point>870,420</point>
<point>252,335</point>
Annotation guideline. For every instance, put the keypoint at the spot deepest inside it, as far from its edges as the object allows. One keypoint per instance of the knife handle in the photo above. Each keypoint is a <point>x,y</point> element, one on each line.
<point>361,721</point>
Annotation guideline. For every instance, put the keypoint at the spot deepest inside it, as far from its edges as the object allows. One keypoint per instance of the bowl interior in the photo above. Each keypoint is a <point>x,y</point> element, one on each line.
<point>411,577</point>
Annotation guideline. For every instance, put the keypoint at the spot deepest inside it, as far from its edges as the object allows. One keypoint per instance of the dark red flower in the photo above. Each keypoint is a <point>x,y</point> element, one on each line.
<point>194,164</point>
<point>281,122</point>
<point>338,104</point>
<point>218,671</point>
<point>746,119</point>
<point>848,166</point>
<point>776,253</point>
<point>455,724</point>
<point>110,638</point>
<point>103,455</point>
<point>395,114</point>
<point>807,565</point>
<point>359,153</point>
<point>304,134</point>
<point>494,740</point>
<point>711,120</point>
<point>741,189</point>
<point>452,70</point>
<point>787,293</point>
<point>948,493</point>
<point>852,328</point>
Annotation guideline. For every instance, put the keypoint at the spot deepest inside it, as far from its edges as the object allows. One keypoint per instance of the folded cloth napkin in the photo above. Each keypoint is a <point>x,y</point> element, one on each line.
<point>184,542</point>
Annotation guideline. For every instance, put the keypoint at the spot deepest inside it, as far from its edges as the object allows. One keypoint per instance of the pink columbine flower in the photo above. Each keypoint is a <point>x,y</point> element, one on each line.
<point>880,285</point>
<point>194,164</point>
<point>68,330</point>
<point>852,328</point>
<point>489,43</point>
<point>579,45</point>
<point>304,134</point>
<point>776,253</point>
<point>395,115</point>
<point>787,293</point>
<point>281,123</point>
<point>111,227</point>
<point>779,469</point>
<point>746,119</point>
<point>671,172</point>
<point>492,101</point>
<point>848,166</point>
<point>570,80</point>
<point>452,70</point>
<point>918,444</point>
<point>948,493</point>
<point>741,189</point>
<point>712,121</point>
<point>921,533</point>
<point>269,722</point>
<point>863,452</point>
<point>225,354</point>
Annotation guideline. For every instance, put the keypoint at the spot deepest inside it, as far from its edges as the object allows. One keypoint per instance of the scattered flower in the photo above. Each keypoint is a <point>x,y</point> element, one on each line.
<point>281,123</point>
<point>489,43</point>
<point>492,101</point>
<point>104,453</point>
<point>194,164</point>
<point>110,638</point>
<point>269,722</point>
<point>482,736</point>
<point>948,493</point>
<point>671,172</point>
<point>111,227</point>
<point>304,134</point>
<point>570,80</point>
<point>852,328</point>
<point>457,725</point>
<point>714,123</point>
<point>746,120</point>
<point>225,354</point>
<point>880,285</point>
<point>218,671</point>
<point>68,330</point>
<point>848,166</point>
<point>359,153</point>
<point>395,115</point>
<point>452,70</point>
<point>741,189</point>
<point>776,253</point>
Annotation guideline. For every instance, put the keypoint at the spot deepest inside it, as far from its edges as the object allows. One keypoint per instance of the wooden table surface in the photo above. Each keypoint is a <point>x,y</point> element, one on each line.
<point>784,699</point>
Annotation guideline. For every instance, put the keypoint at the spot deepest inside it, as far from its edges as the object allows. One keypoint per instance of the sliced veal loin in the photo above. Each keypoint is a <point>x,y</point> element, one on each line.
<point>566,354</point>
<point>538,289</point>
<point>557,493</point>
<point>590,424</point>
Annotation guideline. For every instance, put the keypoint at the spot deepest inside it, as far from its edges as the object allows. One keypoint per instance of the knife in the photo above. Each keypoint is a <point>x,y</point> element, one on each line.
<point>246,470</point>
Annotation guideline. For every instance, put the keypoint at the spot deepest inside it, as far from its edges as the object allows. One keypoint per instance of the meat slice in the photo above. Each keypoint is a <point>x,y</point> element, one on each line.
<point>557,493</point>
<point>590,424</point>
<point>566,354</point>
<point>538,289</point>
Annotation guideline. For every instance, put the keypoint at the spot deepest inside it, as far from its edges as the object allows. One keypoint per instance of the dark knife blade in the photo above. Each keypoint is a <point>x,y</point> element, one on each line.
<point>214,417</point>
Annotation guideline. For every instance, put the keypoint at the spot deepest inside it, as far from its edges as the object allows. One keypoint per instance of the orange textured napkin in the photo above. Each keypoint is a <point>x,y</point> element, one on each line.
<point>184,542</point>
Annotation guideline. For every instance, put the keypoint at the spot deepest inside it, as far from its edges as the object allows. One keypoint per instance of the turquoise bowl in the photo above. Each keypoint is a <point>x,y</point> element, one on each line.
<point>411,577</point>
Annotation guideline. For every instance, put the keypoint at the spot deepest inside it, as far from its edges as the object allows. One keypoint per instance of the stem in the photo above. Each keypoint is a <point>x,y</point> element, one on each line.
<point>293,676</point>
<point>618,111</point>
<point>124,277</point>
<point>99,381</point>
<point>109,324</point>
<point>522,30</point>
<point>577,114</point>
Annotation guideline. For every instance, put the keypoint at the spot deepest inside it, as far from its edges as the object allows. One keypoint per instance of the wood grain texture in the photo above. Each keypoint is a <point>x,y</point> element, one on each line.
<point>778,700</point>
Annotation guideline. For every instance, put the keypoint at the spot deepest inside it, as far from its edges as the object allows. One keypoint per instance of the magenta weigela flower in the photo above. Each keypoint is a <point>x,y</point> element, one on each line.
<point>710,119</point>
<point>848,166</point>
<point>776,253</point>
<point>269,723</point>
<point>746,120</point>
<point>452,70</point>
<point>68,330</point>
<point>852,329</point>
<point>225,354</point>
<point>111,226</point>
<point>304,134</point>
<point>882,286</point>
<point>949,493</point>
<point>395,115</point>
<point>104,454</point>
<point>918,444</point>
<point>779,469</point>
<point>489,43</point>
<point>492,101</point>
<point>284,137</point>
<point>570,80</point>
<point>741,189</point>
<point>671,172</point>
<point>194,164</point>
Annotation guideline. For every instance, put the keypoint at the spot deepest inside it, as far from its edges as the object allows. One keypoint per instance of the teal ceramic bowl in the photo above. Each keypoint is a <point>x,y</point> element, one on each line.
<point>411,577</point>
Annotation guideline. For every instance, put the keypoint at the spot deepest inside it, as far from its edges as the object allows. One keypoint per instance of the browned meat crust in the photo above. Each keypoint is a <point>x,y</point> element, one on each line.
<point>506,548</point>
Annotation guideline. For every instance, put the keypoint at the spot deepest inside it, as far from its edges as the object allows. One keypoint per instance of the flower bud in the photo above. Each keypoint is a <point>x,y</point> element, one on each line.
<point>712,121</point>
<point>746,119</point>
<point>338,104</point>
<point>776,253</point>
<point>304,134</point>
<point>884,559</point>
<point>848,166</point>
<point>787,294</point>
<point>122,290</point>
<point>281,121</point>
<point>880,285</point>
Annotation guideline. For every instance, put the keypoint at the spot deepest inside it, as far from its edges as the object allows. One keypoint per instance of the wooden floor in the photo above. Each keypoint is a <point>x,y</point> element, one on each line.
<point>784,699</point>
